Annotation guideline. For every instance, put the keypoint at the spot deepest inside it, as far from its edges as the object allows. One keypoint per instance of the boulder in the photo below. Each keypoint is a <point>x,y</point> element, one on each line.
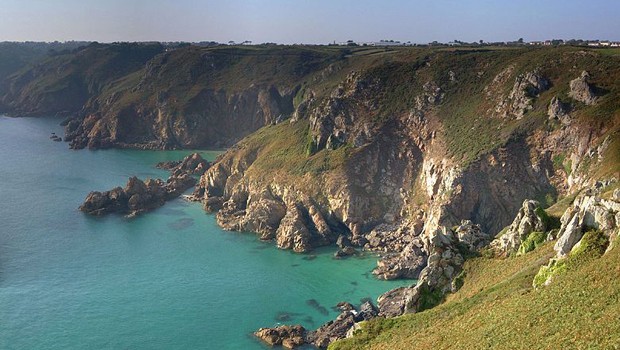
<point>344,252</point>
<point>288,336</point>
<point>367,311</point>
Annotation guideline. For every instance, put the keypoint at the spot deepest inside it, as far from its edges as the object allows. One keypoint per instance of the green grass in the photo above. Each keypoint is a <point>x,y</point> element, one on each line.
<point>498,308</point>
<point>592,245</point>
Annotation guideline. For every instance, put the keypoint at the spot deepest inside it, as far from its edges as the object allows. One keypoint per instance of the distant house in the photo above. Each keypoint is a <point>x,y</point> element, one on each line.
<point>387,43</point>
<point>536,43</point>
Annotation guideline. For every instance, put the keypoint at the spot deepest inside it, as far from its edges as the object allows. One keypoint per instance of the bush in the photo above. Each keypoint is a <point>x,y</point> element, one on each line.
<point>550,222</point>
<point>429,298</point>
<point>533,241</point>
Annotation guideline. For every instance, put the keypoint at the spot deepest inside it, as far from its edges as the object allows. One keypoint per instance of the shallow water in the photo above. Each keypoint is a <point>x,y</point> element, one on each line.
<point>170,279</point>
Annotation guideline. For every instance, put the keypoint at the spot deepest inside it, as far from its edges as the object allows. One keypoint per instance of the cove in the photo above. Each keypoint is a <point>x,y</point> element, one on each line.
<point>169,279</point>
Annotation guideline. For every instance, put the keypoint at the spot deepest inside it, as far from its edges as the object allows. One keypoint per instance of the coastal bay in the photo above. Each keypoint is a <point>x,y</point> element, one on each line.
<point>168,279</point>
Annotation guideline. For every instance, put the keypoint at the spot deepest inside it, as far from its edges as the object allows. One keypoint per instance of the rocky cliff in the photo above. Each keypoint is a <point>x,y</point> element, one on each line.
<point>396,156</point>
<point>423,155</point>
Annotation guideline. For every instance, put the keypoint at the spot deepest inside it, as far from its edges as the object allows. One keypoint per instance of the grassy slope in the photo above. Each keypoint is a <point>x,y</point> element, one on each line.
<point>497,308</point>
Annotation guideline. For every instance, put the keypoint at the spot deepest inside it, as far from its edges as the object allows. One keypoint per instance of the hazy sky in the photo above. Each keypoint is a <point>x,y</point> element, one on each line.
<point>308,21</point>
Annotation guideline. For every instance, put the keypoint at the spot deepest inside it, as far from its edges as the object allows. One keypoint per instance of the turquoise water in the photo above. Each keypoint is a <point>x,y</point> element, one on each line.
<point>170,279</point>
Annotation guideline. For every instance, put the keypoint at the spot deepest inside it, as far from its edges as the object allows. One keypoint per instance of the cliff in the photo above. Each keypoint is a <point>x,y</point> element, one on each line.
<point>63,83</point>
<point>397,154</point>
<point>423,155</point>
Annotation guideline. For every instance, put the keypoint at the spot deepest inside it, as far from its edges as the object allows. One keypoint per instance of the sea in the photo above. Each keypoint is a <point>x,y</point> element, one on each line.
<point>168,279</point>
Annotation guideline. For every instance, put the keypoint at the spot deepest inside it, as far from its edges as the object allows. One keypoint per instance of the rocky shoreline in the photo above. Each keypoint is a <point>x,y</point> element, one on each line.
<point>426,161</point>
<point>140,196</point>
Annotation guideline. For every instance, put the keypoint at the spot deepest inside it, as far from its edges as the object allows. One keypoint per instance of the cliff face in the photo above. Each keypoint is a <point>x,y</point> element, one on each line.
<point>422,155</point>
<point>210,119</point>
<point>369,167</point>
<point>64,83</point>
<point>424,174</point>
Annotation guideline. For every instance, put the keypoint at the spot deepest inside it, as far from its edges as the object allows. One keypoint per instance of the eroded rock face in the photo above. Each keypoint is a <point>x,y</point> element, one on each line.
<point>212,118</point>
<point>526,222</point>
<point>471,236</point>
<point>443,264</point>
<point>581,90</point>
<point>526,87</point>
<point>588,212</point>
<point>559,110</point>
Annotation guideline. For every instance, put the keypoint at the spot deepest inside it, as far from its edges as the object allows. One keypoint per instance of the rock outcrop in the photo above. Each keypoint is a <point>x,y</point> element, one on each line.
<point>559,110</point>
<point>526,88</point>
<point>193,164</point>
<point>588,212</point>
<point>529,219</point>
<point>581,90</point>
<point>289,337</point>
<point>340,328</point>
<point>443,264</point>
<point>137,197</point>
<point>140,196</point>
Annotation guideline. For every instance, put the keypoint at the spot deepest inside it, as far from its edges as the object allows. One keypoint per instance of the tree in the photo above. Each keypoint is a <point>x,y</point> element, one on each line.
<point>520,41</point>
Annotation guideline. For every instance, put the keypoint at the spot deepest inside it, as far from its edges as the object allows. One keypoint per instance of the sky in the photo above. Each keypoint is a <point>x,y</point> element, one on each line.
<point>308,21</point>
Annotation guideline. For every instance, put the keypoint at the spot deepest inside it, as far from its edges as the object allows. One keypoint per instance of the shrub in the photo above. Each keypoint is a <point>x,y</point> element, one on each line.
<point>533,241</point>
<point>429,298</point>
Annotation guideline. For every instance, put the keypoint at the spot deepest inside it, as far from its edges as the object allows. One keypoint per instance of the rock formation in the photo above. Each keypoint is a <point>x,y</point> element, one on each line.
<point>588,211</point>
<point>289,337</point>
<point>526,88</point>
<point>559,110</point>
<point>137,197</point>
<point>193,164</point>
<point>140,196</point>
<point>530,218</point>
<point>581,90</point>
<point>340,328</point>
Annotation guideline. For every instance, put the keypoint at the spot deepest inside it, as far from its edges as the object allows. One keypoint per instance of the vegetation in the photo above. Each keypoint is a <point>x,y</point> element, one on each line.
<point>591,246</point>
<point>498,308</point>
<point>533,241</point>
